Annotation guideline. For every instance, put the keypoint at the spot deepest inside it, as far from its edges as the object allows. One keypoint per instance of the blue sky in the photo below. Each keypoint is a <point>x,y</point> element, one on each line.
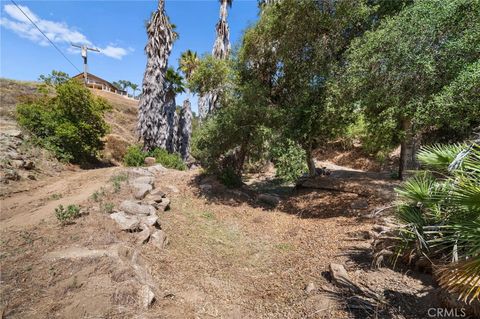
<point>116,27</point>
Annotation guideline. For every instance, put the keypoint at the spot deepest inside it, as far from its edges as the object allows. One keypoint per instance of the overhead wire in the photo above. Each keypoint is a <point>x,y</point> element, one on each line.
<point>54,45</point>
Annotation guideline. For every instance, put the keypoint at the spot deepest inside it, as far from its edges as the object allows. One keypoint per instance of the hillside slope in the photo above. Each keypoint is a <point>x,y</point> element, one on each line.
<point>22,161</point>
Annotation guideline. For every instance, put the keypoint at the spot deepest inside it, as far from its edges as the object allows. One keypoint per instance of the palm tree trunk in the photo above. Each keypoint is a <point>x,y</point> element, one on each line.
<point>406,148</point>
<point>151,124</point>
<point>185,130</point>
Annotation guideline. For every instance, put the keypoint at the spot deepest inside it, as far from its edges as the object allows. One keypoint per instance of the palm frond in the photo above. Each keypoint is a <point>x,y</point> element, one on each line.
<point>439,156</point>
<point>462,278</point>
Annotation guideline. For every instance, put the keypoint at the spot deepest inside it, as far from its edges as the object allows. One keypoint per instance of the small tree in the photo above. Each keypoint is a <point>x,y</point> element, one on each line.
<point>403,74</point>
<point>70,124</point>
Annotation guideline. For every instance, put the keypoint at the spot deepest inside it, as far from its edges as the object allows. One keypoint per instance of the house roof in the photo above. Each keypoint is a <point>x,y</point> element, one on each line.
<point>94,78</point>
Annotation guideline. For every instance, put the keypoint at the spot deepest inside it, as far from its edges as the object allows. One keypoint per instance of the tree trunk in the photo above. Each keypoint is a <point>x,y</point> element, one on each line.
<point>407,155</point>
<point>310,162</point>
<point>185,130</point>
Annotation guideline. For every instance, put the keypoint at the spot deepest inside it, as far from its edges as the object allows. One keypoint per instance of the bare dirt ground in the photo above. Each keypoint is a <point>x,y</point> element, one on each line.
<point>229,256</point>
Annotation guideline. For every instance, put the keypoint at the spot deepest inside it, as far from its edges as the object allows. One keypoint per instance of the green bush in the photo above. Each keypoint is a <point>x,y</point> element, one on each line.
<point>289,160</point>
<point>134,156</point>
<point>168,160</point>
<point>70,123</point>
<point>229,178</point>
<point>65,215</point>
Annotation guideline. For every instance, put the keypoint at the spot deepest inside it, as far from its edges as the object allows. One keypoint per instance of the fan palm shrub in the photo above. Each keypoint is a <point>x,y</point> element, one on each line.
<point>439,212</point>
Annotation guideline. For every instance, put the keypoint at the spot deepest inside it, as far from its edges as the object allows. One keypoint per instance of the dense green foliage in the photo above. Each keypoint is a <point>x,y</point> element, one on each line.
<point>440,214</point>
<point>55,78</point>
<point>417,72</point>
<point>135,156</point>
<point>70,123</point>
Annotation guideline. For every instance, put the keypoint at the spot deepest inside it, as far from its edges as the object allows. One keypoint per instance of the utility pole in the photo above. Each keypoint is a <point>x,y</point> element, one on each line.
<point>85,49</point>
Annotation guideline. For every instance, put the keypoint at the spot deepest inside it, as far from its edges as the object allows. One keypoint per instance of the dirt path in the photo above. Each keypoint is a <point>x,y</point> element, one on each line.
<point>37,203</point>
<point>229,256</point>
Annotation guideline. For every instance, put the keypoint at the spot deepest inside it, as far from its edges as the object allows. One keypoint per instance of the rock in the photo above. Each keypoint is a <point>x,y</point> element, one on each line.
<point>18,163</point>
<point>340,275</point>
<point>138,171</point>
<point>310,287</point>
<point>163,205</point>
<point>149,221</point>
<point>14,133</point>
<point>269,199</point>
<point>144,180</point>
<point>157,192</point>
<point>149,161</point>
<point>144,235</point>
<point>136,208</point>
<point>146,296</point>
<point>126,222</point>
<point>159,239</point>
<point>31,177</point>
<point>359,204</point>
<point>380,228</point>
<point>141,190</point>
<point>155,198</point>
<point>156,168</point>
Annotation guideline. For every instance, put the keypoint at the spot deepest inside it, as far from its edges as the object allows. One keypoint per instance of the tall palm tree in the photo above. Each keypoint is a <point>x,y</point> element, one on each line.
<point>221,49</point>
<point>134,88</point>
<point>174,85</point>
<point>152,126</point>
<point>184,132</point>
<point>188,62</point>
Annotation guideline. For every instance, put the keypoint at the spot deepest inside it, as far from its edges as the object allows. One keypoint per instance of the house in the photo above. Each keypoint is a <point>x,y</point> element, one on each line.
<point>98,83</point>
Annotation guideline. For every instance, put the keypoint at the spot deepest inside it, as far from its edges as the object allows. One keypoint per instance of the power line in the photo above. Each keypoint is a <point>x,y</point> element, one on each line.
<point>36,26</point>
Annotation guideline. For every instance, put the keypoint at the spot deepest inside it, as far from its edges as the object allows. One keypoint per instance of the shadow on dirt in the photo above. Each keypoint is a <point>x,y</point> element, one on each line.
<point>342,194</point>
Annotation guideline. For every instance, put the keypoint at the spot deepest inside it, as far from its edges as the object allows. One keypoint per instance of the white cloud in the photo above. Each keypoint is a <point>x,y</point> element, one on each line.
<point>114,52</point>
<point>58,32</point>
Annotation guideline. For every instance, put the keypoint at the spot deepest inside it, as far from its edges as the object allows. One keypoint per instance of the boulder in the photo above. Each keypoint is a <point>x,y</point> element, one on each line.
<point>137,208</point>
<point>126,222</point>
<point>159,239</point>
<point>139,171</point>
<point>141,190</point>
<point>269,199</point>
<point>157,192</point>
<point>144,180</point>
<point>146,296</point>
<point>11,175</point>
<point>149,161</point>
<point>149,221</point>
<point>156,168</point>
<point>29,165</point>
<point>163,205</point>
<point>13,155</point>
<point>144,235</point>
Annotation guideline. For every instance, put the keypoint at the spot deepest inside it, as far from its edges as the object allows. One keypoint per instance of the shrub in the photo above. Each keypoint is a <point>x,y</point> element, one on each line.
<point>440,216</point>
<point>65,215</point>
<point>134,156</point>
<point>70,124</point>
<point>289,160</point>
<point>229,178</point>
<point>168,160</point>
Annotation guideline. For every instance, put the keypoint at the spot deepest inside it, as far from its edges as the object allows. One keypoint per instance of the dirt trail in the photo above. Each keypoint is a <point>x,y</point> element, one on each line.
<point>30,206</point>
<point>229,255</point>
